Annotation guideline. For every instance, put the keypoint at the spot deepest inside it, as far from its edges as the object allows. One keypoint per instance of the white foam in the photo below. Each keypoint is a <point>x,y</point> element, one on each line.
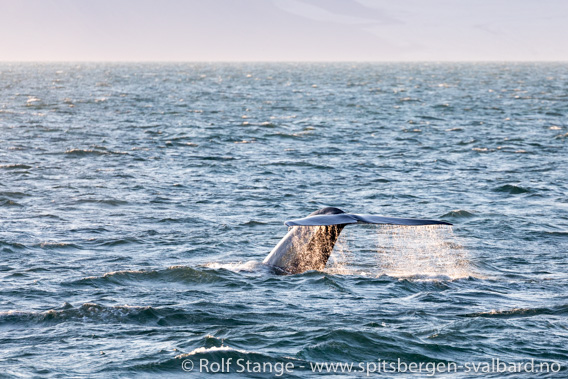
<point>235,266</point>
<point>123,272</point>
<point>204,350</point>
<point>15,313</point>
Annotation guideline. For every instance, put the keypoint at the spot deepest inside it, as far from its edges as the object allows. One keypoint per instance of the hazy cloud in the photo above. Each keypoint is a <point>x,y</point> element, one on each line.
<point>274,30</point>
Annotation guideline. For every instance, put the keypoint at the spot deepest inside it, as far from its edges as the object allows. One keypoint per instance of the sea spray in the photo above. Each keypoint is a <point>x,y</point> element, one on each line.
<point>341,258</point>
<point>424,252</point>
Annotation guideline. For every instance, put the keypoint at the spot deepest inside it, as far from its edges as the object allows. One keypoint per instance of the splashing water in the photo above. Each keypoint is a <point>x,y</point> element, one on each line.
<point>424,252</point>
<point>341,257</point>
<point>248,266</point>
<point>421,252</point>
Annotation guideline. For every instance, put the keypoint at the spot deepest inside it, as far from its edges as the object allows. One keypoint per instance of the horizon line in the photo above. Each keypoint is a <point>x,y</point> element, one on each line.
<point>285,61</point>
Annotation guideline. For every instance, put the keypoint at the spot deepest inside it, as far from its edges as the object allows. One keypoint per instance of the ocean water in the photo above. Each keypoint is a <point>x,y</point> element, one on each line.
<point>137,202</point>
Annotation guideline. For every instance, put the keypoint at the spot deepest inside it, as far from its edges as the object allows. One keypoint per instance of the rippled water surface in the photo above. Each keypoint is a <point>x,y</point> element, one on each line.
<point>138,201</point>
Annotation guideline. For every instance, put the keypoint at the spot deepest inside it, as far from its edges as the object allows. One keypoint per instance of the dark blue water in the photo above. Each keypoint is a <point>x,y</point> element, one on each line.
<point>137,203</point>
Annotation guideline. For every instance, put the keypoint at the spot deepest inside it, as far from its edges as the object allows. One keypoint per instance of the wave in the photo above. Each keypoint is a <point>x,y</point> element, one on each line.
<point>84,152</point>
<point>212,158</point>
<point>91,152</point>
<point>289,135</point>
<point>298,164</point>
<point>512,189</point>
<point>183,220</point>
<point>211,350</point>
<point>253,223</point>
<point>442,106</point>
<point>9,203</point>
<point>112,202</point>
<point>561,310</point>
<point>88,312</point>
<point>15,166</point>
<point>460,213</point>
<point>15,195</point>
<point>114,241</point>
<point>237,266</point>
<point>560,233</point>
<point>8,246</point>
<point>57,245</point>
<point>431,118</point>
<point>183,274</point>
<point>199,313</point>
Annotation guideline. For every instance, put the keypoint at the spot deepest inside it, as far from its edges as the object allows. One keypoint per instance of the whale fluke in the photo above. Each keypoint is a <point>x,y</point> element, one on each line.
<point>310,241</point>
<point>348,218</point>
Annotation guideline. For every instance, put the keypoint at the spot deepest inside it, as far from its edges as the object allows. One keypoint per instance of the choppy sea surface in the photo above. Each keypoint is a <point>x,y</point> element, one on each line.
<point>137,202</point>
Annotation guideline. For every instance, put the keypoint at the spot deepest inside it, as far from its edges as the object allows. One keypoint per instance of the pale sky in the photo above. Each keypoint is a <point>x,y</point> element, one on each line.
<point>283,30</point>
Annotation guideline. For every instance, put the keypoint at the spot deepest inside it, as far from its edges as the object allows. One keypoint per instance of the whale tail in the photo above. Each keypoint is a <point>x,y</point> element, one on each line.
<point>348,218</point>
<point>310,241</point>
